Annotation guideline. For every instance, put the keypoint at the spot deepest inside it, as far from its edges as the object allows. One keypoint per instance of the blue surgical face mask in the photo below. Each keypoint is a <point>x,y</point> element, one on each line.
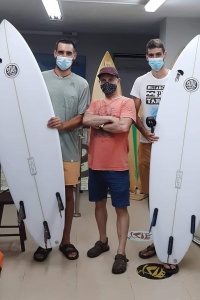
<point>156,63</point>
<point>64,63</point>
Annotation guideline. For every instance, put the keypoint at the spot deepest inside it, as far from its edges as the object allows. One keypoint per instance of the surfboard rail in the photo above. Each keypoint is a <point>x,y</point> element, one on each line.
<point>175,164</point>
<point>30,152</point>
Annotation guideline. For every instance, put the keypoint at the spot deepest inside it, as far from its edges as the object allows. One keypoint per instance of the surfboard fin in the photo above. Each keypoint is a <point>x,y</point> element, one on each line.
<point>21,212</point>
<point>60,203</point>
<point>151,122</point>
<point>193,223</point>
<point>170,245</point>
<point>154,219</point>
<point>47,234</point>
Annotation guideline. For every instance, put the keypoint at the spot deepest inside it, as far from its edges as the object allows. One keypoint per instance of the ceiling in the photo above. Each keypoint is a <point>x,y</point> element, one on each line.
<point>30,15</point>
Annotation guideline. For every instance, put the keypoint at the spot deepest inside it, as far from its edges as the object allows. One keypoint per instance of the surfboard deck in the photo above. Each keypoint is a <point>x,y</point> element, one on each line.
<point>30,153</point>
<point>175,164</point>
<point>97,93</point>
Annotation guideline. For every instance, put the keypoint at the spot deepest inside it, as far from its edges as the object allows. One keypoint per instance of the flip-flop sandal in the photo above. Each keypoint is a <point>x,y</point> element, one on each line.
<point>171,271</point>
<point>98,248</point>
<point>120,264</point>
<point>68,249</point>
<point>149,248</point>
<point>41,254</point>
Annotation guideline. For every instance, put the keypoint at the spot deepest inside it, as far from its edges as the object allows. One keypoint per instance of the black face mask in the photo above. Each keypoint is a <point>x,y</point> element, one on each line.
<point>108,88</point>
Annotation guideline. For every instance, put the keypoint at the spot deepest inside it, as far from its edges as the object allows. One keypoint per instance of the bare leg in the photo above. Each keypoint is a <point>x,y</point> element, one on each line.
<point>122,228</point>
<point>69,212</point>
<point>101,218</point>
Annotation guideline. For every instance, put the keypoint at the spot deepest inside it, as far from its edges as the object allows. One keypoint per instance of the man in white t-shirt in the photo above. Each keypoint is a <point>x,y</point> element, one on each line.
<point>147,93</point>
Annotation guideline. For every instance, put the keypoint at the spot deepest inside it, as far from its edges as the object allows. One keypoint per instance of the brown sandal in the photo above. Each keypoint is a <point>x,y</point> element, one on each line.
<point>144,253</point>
<point>41,254</point>
<point>120,264</point>
<point>68,249</point>
<point>171,270</point>
<point>98,248</point>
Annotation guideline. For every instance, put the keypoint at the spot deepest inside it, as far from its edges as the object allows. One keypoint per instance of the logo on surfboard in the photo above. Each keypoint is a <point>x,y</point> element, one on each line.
<point>191,84</point>
<point>11,70</point>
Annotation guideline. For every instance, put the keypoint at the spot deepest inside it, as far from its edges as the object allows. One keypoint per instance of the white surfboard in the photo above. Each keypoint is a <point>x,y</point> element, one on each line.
<point>175,160</point>
<point>30,153</point>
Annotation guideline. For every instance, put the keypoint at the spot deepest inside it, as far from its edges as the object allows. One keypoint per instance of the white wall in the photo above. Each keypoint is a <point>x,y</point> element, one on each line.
<point>176,33</point>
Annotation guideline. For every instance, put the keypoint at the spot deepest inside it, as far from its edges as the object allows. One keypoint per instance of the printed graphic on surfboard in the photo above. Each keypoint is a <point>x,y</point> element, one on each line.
<point>30,153</point>
<point>175,164</point>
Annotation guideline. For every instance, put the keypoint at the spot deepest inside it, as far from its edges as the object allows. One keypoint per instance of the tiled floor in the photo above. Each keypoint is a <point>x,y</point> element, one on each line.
<point>58,278</point>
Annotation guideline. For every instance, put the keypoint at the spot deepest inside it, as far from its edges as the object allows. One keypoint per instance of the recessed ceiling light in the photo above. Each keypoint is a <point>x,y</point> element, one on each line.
<point>153,5</point>
<point>53,9</point>
<point>135,2</point>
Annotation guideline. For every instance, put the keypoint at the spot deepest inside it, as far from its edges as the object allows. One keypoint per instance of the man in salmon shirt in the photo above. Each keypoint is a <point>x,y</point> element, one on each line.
<point>110,119</point>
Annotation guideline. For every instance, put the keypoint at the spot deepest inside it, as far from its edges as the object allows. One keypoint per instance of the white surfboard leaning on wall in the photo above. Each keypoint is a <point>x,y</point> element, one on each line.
<point>175,159</point>
<point>30,152</point>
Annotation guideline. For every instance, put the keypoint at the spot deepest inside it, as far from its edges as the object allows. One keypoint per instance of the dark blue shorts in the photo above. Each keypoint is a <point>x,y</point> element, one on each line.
<point>117,182</point>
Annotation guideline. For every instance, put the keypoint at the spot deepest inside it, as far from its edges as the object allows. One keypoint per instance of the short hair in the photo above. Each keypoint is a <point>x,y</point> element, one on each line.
<point>155,43</point>
<point>65,41</point>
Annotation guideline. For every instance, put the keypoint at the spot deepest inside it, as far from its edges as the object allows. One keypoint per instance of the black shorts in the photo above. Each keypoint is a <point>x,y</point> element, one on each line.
<point>117,182</point>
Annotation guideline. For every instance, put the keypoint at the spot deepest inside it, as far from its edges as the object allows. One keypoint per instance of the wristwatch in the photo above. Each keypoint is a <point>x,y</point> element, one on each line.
<point>101,126</point>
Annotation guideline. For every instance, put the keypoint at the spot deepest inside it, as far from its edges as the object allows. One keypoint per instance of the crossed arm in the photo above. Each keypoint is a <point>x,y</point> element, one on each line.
<point>111,124</point>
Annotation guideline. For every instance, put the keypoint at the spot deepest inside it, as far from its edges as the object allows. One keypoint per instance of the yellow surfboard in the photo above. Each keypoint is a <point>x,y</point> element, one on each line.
<point>106,62</point>
<point>133,135</point>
